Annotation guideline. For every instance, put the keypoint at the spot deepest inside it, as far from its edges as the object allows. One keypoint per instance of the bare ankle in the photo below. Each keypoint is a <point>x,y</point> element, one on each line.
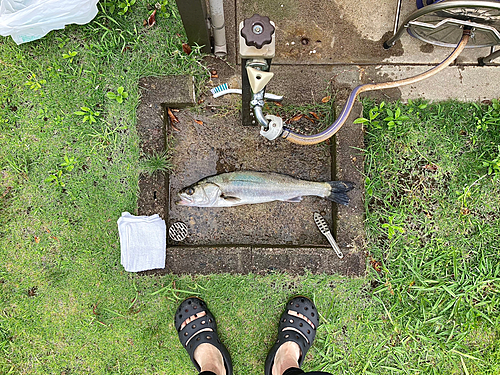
<point>286,357</point>
<point>210,359</point>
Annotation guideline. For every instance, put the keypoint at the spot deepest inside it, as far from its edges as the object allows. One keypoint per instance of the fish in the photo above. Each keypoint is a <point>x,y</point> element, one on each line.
<point>250,187</point>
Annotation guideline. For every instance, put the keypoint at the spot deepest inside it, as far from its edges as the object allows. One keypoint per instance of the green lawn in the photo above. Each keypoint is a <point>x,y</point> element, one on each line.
<point>69,165</point>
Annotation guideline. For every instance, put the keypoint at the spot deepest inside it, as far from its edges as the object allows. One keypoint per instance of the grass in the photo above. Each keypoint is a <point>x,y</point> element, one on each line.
<point>69,165</point>
<point>434,227</point>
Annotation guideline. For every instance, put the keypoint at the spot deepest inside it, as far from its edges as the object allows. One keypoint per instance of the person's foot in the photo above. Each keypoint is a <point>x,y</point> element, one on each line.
<point>208,357</point>
<point>297,330</point>
<point>198,335</point>
<point>289,353</point>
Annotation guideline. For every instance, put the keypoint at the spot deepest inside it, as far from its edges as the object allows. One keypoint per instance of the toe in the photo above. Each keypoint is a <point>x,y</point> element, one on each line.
<point>191,318</point>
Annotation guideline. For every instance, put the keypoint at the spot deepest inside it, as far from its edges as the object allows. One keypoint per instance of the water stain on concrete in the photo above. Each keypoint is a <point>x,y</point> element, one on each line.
<point>221,145</point>
<point>318,32</point>
<point>427,48</point>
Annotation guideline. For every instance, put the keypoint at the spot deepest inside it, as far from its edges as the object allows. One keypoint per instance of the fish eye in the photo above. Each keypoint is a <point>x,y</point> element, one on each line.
<point>190,191</point>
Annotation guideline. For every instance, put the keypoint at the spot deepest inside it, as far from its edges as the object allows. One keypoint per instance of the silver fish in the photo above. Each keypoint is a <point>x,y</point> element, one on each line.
<point>247,187</point>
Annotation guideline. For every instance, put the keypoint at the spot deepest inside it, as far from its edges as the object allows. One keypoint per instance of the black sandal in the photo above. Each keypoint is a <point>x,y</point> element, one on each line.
<point>296,329</point>
<point>191,337</point>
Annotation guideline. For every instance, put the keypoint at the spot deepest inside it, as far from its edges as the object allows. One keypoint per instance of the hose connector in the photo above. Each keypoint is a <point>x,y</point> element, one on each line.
<point>274,128</point>
<point>257,103</point>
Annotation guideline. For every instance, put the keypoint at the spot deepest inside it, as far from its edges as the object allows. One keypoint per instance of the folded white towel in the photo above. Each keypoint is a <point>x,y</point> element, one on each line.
<point>143,242</point>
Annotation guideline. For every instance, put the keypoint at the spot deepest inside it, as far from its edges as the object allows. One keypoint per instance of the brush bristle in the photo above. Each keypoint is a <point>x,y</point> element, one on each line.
<point>219,88</point>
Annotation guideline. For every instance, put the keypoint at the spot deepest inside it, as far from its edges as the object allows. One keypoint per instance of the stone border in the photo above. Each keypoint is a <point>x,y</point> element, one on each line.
<point>158,93</point>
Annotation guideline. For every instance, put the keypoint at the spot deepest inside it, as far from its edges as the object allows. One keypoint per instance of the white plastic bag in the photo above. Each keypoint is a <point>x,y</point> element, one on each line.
<point>27,20</point>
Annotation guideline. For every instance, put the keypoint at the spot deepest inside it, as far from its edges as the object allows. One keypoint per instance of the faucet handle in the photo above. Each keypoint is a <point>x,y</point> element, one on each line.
<point>257,31</point>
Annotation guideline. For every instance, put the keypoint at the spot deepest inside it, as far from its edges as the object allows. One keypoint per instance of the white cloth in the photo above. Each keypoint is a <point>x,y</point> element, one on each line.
<point>143,242</point>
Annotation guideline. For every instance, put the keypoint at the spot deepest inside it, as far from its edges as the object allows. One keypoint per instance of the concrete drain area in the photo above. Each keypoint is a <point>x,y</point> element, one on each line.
<point>260,238</point>
<point>206,145</point>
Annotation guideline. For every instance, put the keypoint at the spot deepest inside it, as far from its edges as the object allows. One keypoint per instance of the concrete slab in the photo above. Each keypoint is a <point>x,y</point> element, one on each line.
<point>213,141</point>
<point>457,82</point>
<point>207,145</point>
<point>206,260</point>
<point>297,261</point>
<point>344,32</point>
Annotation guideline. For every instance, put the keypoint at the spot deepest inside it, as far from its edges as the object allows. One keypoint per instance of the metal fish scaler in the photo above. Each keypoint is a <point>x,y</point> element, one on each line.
<point>247,187</point>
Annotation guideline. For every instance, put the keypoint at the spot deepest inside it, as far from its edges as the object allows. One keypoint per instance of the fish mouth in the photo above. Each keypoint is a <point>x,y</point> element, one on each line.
<point>184,201</point>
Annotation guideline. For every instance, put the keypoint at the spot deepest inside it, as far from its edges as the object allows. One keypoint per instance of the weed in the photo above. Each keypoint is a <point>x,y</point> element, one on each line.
<point>392,228</point>
<point>65,167</point>
<point>157,162</point>
<point>69,56</point>
<point>125,6</point>
<point>87,114</point>
<point>106,135</point>
<point>165,9</point>
<point>494,164</point>
<point>393,119</point>
<point>34,83</point>
<point>62,41</point>
<point>373,113</point>
<point>119,96</point>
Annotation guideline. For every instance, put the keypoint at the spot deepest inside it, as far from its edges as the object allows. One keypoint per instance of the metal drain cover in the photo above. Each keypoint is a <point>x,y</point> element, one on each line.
<point>178,231</point>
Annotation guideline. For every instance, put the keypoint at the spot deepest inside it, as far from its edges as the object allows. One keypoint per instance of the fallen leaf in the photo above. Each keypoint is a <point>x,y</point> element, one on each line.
<point>32,291</point>
<point>431,167</point>
<point>326,99</point>
<point>465,211</point>
<point>152,19</point>
<point>55,238</point>
<point>186,48</point>
<point>199,122</point>
<point>6,191</point>
<point>278,104</point>
<point>37,239</point>
<point>314,115</point>
<point>172,116</point>
<point>310,119</point>
<point>296,117</point>
<point>377,266</point>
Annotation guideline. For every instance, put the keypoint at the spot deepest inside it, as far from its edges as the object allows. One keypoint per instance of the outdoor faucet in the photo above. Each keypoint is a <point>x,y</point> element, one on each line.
<point>257,48</point>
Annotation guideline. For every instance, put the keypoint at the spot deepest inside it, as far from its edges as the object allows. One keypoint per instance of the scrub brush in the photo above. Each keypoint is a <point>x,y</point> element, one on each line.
<point>323,227</point>
<point>224,89</point>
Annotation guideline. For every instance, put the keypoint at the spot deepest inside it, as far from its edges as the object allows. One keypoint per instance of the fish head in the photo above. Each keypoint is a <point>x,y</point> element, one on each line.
<point>201,194</point>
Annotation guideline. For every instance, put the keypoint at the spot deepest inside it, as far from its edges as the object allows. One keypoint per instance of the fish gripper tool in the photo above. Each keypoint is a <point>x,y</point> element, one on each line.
<point>323,228</point>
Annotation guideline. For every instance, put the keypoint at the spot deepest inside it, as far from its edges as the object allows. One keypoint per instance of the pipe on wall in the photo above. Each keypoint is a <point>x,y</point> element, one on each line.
<point>218,27</point>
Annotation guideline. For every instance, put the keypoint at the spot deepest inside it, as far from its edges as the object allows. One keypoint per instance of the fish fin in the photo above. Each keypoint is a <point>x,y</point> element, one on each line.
<point>230,198</point>
<point>294,200</point>
<point>339,190</point>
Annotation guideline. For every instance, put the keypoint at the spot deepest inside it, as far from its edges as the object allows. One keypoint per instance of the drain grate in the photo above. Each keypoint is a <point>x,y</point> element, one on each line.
<point>178,231</point>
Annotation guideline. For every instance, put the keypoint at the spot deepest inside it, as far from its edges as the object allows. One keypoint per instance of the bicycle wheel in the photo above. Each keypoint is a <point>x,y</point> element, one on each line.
<point>443,27</point>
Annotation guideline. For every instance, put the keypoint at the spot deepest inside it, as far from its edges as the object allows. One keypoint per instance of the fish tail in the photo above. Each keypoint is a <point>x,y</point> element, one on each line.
<point>339,190</point>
